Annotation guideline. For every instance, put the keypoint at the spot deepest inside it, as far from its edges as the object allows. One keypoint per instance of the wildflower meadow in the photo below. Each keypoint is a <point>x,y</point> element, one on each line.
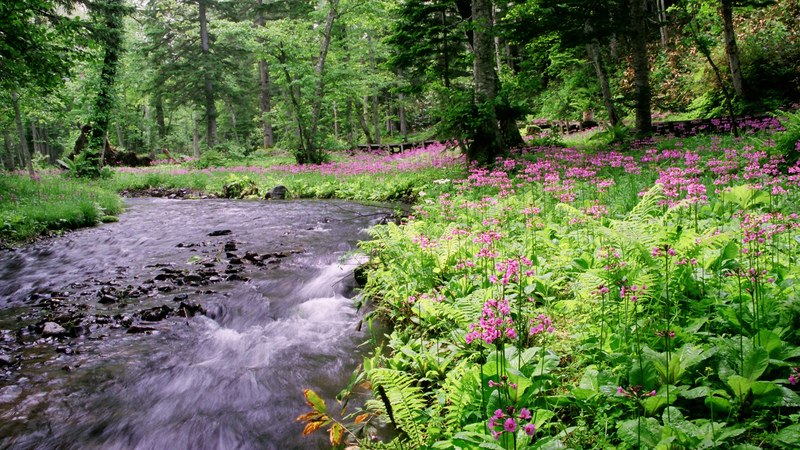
<point>589,298</point>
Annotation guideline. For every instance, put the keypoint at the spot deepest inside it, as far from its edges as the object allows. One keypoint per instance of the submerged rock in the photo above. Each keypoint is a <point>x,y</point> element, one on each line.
<point>53,329</point>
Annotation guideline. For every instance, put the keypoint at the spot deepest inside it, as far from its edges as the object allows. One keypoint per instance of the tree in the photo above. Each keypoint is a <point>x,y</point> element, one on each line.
<point>641,66</point>
<point>109,31</point>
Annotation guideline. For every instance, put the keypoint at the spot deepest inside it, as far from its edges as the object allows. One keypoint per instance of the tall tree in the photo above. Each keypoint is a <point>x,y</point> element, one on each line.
<point>488,142</point>
<point>731,49</point>
<point>265,89</point>
<point>641,66</point>
<point>109,31</point>
<point>211,110</point>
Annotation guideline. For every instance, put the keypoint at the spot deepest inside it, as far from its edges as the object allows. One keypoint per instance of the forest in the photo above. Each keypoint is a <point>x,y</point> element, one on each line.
<point>232,77</point>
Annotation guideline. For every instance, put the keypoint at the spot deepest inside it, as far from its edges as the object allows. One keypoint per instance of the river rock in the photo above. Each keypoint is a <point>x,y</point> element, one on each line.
<point>7,360</point>
<point>187,309</point>
<point>220,233</point>
<point>277,193</point>
<point>53,329</point>
<point>230,246</point>
<point>156,314</point>
<point>181,297</point>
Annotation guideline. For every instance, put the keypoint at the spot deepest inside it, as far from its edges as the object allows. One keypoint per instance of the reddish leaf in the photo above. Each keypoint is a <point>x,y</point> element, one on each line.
<point>361,418</point>
<point>313,415</point>
<point>312,427</point>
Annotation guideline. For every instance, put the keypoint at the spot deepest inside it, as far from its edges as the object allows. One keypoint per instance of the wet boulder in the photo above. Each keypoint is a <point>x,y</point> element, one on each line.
<point>277,193</point>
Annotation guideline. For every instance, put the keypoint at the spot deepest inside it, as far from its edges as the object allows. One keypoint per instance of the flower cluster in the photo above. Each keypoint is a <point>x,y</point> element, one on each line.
<point>541,323</point>
<point>508,422</point>
<point>495,323</point>
<point>635,392</point>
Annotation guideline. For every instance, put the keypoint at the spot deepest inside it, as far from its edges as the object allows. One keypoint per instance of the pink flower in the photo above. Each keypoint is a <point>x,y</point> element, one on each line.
<point>530,429</point>
<point>510,425</point>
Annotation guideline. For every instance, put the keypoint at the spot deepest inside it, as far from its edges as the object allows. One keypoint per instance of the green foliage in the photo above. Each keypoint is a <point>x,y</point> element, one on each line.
<point>671,327</point>
<point>83,166</point>
<point>788,142</point>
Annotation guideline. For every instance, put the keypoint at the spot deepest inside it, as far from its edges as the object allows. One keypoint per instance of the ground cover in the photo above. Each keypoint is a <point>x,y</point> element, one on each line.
<point>575,298</point>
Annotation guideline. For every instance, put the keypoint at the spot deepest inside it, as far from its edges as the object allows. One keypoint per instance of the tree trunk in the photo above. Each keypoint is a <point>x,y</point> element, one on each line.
<point>105,100</point>
<point>196,137</point>
<point>10,150</point>
<point>662,19</point>
<point>23,144</point>
<point>319,89</point>
<point>497,43</point>
<point>641,67</point>
<point>335,121</point>
<point>402,113</point>
<point>351,139</point>
<point>593,52</point>
<point>119,130</point>
<point>160,123</point>
<point>265,94</point>
<point>731,49</point>
<point>233,122</point>
<point>34,138</point>
<point>487,142</point>
<point>364,126</point>
<point>147,142</point>
<point>211,110</point>
<point>375,118</point>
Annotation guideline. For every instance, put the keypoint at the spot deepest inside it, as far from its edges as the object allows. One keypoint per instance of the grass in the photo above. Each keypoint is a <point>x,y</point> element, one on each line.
<point>30,207</point>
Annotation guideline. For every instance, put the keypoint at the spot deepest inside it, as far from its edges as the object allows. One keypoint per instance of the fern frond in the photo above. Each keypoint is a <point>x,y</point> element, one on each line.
<point>403,401</point>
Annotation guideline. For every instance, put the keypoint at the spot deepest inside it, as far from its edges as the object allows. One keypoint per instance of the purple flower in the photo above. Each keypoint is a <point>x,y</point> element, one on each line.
<point>530,429</point>
<point>510,425</point>
<point>524,414</point>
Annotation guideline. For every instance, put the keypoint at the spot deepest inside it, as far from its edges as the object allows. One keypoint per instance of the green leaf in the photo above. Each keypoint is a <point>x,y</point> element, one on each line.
<point>755,363</point>
<point>589,380</point>
<point>643,375</point>
<point>740,386</point>
<point>700,391</point>
<point>766,394</point>
<point>789,436</point>
<point>718,405</point>
<point>648,431</point>
<point>313,400</point>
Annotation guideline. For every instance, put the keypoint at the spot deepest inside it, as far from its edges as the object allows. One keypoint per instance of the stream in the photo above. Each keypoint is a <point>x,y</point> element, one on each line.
<point>188,324</point>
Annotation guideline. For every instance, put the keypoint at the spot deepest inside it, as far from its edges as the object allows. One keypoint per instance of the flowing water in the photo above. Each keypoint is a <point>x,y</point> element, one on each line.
<point>230,378</point>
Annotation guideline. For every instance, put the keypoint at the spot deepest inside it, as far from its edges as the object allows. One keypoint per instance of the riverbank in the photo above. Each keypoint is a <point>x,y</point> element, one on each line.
<point>50,203</point>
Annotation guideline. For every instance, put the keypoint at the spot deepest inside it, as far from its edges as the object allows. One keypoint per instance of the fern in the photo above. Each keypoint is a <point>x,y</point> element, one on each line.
<point>402,401</point>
